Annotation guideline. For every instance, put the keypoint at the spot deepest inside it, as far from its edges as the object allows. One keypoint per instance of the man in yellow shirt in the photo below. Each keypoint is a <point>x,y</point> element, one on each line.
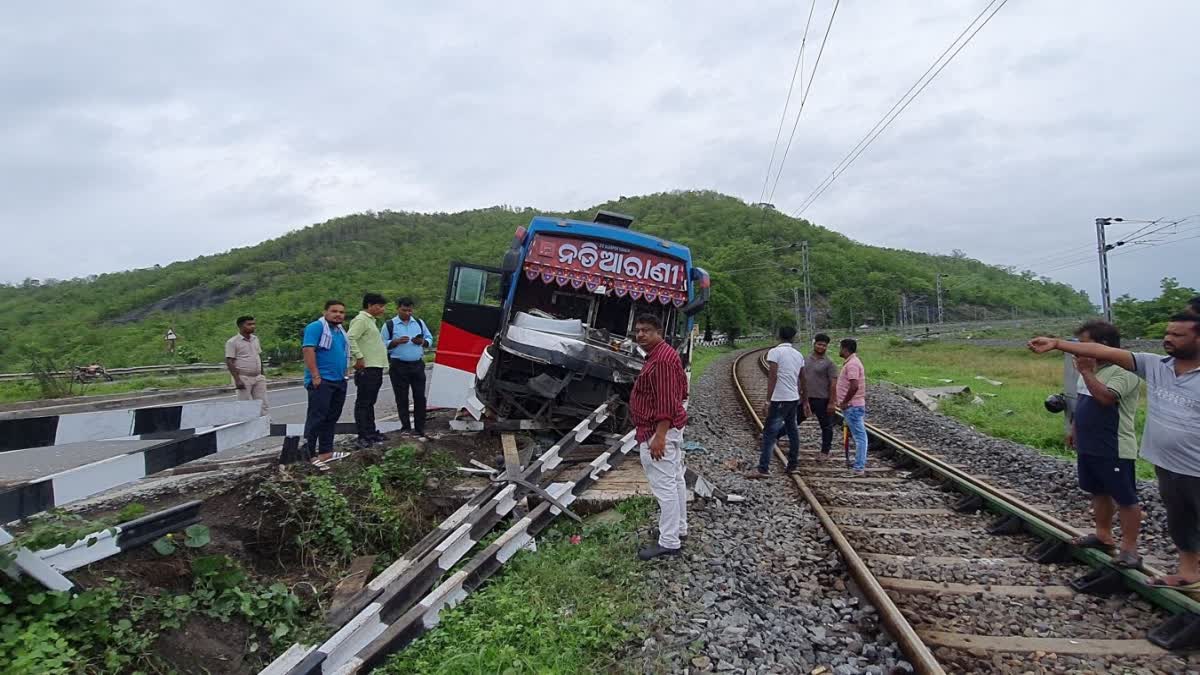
<point>369,355</point>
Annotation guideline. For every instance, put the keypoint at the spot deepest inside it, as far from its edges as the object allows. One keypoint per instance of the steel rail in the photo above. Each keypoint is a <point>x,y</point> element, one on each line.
<point>899,628</point>
<point>1043,524</point>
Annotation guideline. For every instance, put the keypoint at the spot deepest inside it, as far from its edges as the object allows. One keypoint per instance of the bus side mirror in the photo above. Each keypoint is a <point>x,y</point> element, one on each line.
<point>701,283</point>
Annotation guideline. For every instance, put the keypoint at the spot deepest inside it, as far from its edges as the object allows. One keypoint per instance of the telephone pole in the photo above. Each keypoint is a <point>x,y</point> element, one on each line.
<point>1103,248</point>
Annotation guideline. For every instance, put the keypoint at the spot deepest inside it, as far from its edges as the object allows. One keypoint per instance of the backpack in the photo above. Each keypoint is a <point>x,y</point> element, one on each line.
<point>391,329</point>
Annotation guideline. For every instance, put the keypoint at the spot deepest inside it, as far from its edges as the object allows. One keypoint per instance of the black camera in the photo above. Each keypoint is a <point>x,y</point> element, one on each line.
<point>1056,403</point>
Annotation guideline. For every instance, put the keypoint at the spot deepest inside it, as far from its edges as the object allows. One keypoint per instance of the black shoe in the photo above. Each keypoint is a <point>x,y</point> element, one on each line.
<point>792,470</point>
<point>363,443</point>
<point>654,550</point>
<point>378,437</point>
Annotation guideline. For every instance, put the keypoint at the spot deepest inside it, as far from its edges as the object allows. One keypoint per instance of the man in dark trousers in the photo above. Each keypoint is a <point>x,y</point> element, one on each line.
<point>1105,443</point>
<point>407,337</point>
<point>656,405</point>
<point>783,399</point>
<point>819,389</point>
<point>326,360</point>
<point>1171,438</point>
<point>370,360</point>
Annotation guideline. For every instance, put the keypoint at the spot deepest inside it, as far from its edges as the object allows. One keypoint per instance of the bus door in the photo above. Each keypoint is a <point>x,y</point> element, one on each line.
<point>471,317</point>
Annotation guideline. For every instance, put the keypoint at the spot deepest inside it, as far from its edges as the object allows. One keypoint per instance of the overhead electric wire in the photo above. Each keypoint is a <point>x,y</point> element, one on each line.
<point>783,114</point>
<point>1148,224</point>
<point>1054,258</point>
<point>1085,254</point>
<point>804,98</point>
<point>900,105</point>
<point>1172,223</point>
<point>1134,246</point>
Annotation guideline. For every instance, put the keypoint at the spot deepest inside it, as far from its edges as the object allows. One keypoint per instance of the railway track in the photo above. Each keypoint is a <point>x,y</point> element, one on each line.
<point>969,578</point>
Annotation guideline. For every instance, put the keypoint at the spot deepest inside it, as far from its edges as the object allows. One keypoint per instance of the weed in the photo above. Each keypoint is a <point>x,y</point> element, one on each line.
<point>59,528</point>
<point>565,608</point>
<point>357,508</point>
<point>109,629</point>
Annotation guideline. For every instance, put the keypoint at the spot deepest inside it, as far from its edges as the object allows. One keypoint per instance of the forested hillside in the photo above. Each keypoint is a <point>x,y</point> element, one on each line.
<point>120,318</point>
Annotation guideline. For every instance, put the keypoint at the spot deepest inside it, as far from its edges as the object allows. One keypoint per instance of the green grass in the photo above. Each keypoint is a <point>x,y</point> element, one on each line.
<point>567,608</point>
<point>28,390</point>
<point>1012,410</point>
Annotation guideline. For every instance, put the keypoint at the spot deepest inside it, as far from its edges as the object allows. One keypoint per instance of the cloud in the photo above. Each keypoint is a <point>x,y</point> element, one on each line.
<point>145,133</point>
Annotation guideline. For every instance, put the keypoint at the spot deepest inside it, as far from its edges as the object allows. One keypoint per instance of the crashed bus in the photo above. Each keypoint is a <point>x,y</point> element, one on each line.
<point>547,336</point>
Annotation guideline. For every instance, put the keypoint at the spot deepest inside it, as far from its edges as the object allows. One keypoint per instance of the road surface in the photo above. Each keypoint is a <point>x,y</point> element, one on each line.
<point>288,406</point>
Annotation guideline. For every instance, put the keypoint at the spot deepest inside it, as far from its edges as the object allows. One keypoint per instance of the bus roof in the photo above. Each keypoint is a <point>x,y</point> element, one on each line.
<point>579,228</point>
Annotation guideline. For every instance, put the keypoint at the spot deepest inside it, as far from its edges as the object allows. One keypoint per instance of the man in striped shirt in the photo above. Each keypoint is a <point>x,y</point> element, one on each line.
<point>656,405</point>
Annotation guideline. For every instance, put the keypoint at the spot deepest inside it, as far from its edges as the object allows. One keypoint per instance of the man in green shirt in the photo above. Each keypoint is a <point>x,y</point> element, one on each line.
<point>1103,435</point>
<point>370,359</point>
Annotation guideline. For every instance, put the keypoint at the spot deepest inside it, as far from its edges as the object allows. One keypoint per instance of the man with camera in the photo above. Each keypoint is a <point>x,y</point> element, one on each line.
<point>1105,443</point>
<point>1171,439</point>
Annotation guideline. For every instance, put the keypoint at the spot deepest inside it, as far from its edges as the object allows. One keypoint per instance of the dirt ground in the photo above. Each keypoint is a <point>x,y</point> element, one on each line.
<point>242,528</point>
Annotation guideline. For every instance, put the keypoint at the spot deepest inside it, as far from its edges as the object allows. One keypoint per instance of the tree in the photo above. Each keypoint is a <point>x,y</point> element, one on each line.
<point>290,327</point>
<point>1148,318</point>
<point>725,306</point>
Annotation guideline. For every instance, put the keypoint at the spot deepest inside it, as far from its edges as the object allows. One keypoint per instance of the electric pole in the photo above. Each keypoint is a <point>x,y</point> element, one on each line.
<point>1103,248</point>
<point>796,304</point>
<point>940,316</point>
<point>808,318</point>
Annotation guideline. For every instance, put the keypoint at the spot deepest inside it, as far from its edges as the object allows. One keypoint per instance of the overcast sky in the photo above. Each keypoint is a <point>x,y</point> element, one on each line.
<point>136,133</point>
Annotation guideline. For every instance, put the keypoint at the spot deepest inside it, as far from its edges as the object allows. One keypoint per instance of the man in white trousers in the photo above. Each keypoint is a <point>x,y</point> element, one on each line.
<point>656,405</point>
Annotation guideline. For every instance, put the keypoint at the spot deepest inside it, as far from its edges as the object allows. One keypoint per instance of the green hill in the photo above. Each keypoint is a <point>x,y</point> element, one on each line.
<point>120,318</point>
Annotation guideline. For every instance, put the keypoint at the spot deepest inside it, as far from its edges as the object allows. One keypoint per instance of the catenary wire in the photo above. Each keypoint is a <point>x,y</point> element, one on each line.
<point>885,122</point>
<point>787,101</point>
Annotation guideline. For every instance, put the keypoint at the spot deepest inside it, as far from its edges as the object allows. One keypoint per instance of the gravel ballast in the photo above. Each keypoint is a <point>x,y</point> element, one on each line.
<point>759,588</point>
<point>1047,482</point>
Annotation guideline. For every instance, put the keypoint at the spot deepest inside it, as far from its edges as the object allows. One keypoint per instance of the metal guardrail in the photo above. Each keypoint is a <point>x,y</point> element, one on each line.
<point>133,370</point>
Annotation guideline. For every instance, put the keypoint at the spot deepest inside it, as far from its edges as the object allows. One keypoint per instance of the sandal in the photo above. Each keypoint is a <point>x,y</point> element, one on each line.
<point>1179,583</point>
<point>1128,560</point>
<point>1092,541</point>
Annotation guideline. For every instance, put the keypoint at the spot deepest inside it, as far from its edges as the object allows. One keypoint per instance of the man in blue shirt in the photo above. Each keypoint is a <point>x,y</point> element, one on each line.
<point>326,359</point>
<point>407,337</point>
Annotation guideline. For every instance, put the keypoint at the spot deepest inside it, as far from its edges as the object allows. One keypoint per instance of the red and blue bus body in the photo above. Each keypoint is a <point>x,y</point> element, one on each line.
<point>550,332</point>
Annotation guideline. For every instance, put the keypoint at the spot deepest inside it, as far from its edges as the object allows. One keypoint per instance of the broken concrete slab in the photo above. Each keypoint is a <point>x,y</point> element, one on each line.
<point>943,392</point>
<point>930,403</point>
<point>928,397</point>
<point>994,383</point>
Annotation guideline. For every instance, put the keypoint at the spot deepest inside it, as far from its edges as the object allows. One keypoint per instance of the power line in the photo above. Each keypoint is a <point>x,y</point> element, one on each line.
<point>1068,260</point>
<point>783,113</point>
<point>1173,223</point>
<point>1134,246</point>
<point>1056,258</point>
<point>804,98</point>
<point>900,105</point>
